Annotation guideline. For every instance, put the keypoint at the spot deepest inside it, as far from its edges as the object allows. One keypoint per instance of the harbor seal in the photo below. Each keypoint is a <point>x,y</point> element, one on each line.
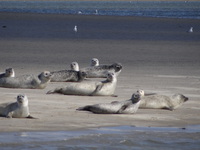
<point>94,62</point>
<point>86,88</point>
<point>27,81</point>
<point>102,70</point>
<point>162,101</point>
<point>125,107</point>
<point>68,76</point>
<point>74,66</point>
<point>8,73</point>
<point>18,109</point>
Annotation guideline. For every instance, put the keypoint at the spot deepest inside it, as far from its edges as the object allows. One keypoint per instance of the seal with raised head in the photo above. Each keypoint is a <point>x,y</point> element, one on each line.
<point>8,73</point>
<point>162,101</point>
<point>94,62</point>
<point>18,109</point>
<point>27,81</point>
<point>101,71</point>
<point>87,88</point>
<point>74,66</point>
<point>125,107</point>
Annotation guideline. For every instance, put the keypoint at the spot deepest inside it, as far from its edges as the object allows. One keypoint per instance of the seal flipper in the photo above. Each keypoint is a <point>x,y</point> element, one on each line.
<point>85,108</point>
<point>98,88</point>
<point>122,109</point>
<point>31,117</point>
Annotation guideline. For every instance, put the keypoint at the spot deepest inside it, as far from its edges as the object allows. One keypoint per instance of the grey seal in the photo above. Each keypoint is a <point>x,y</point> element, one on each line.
<point>125,107</point>
<point>94,62</point>
<point>162,101</point>
<point>27,81</point>
<point>68,76</point>
<point>9,72</point>
<point>102,70</point>
<point>86,88</point>
<point>18,109</point>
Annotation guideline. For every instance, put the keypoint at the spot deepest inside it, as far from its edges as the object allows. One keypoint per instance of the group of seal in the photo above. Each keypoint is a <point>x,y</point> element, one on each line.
<point>137,101</point>
<point>75,85</point>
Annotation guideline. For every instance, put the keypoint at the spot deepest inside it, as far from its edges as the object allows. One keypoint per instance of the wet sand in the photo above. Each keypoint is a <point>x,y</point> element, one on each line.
<point>158,55</point>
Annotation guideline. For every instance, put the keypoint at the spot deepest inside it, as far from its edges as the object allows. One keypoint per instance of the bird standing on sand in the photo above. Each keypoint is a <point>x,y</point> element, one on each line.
<point>75,29</point>
<point>191,30</point>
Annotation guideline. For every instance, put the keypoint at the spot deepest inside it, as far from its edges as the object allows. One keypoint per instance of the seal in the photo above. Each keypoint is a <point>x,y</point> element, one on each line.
<point>68,76</point>
<point>125,107</point>
<point>86,88</point>
<point>101,71</point>
<point>74,66</point>
<point>18,109</point>
<point>94,62</point>
<point>162,101</point>
<point>27,81</point>
<point>8,73</point>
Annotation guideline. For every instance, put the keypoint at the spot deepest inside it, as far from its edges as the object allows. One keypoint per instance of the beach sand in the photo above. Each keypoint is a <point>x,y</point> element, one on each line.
<point>158,55</point>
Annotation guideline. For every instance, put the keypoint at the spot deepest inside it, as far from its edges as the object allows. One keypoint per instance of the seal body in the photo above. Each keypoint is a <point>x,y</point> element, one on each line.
<point>103,88</point>
<point>101,71</point>
<point>8,73</point>
<point>68,76</point>
<point>125,107</point>
<point>18,109</point>
<point>162,101</point>
<point>27,81</point>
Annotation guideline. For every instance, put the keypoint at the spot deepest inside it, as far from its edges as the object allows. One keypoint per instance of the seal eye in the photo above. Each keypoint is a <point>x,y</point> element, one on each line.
<point>136,96</point>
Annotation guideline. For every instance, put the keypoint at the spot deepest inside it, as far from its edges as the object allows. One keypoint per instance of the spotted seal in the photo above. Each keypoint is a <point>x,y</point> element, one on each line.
<point>18,109</point>
<point>68,76</point>
<point>102,70</point>
<point>27,81</point>
<point>161,101</point>
<point>101,88</point>
<point>8,73</point>
<point>125,107</point>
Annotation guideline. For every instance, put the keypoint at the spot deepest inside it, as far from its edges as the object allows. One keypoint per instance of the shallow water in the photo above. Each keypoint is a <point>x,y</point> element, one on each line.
<point>148,9</point>
<point>123,137</point>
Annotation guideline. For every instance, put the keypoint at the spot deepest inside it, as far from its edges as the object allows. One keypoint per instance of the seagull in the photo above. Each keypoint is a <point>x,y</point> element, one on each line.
<point>96,12</point>
<point>191,30</point>
<point>75,29</point>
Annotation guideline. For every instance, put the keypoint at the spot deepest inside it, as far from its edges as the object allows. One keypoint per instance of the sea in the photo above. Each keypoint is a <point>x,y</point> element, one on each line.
<point>105,138</point>
<point>167,9</point>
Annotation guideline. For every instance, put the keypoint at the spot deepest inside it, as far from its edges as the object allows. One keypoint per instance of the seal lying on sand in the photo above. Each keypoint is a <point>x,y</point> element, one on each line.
<point>8,73</point>
<point>68,76</point>
<point>17,109</point>
<point>74,66</point>
<point>101,71</point>
<point>27,81</point>
<point>103,88</point>
<point>162,101</point>
<point>94,62</point>
<point>125,107</point>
